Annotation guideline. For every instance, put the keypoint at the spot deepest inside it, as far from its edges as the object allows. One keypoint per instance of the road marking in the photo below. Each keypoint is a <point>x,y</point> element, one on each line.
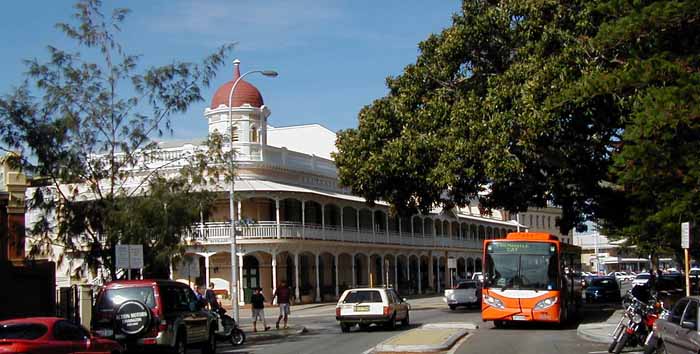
<point>368,351</point>
<point>459,343</point>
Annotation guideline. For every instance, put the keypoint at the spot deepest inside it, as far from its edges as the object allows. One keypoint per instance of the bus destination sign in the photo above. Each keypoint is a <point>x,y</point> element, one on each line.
<point>543,248</point>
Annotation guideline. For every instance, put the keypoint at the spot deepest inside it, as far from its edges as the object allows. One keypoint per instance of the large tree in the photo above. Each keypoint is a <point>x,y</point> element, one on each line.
<point>466,121</point>
<point>647,59</point>
<point>590,105</point>
<point>84,124</point>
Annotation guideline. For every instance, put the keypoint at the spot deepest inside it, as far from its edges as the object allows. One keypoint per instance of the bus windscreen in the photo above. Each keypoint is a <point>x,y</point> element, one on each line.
<point>521,265</point>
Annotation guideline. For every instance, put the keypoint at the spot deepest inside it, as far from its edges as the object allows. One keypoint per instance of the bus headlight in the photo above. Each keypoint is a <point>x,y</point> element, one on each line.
<point>492,301</point>
<point>546,303</point>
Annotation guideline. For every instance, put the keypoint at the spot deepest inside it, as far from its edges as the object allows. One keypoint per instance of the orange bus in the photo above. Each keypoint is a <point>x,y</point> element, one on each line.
<point>530,277</point>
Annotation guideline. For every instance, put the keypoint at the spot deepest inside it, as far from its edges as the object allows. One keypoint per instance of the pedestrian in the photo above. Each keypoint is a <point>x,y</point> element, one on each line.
<point>199,292</point>
<point>210,295</point>
<point>258,302</point>
<point>282,293</point>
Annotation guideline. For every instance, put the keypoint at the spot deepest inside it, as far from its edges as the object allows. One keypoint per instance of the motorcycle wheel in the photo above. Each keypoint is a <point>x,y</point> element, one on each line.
<point>650,348</point>
<point>237,337</point>
<point>621,343</point>
<point>616,338</point>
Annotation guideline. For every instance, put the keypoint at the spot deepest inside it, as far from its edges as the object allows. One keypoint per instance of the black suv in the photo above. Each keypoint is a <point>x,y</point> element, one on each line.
<point>151,314</point>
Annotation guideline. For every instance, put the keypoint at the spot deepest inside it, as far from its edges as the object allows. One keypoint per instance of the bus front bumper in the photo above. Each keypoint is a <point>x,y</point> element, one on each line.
<point>489,313</point>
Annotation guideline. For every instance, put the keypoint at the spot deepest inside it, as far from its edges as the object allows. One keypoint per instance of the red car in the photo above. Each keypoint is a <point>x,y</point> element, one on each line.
<point>51,335</point>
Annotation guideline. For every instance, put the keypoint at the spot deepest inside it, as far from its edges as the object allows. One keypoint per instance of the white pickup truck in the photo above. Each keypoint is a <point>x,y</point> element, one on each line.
<point>466,293</point>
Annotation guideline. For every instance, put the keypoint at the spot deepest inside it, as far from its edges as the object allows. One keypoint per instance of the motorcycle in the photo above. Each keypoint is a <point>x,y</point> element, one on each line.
<point>230,331</point>
<point>635,325</point>
<point>652,339</point>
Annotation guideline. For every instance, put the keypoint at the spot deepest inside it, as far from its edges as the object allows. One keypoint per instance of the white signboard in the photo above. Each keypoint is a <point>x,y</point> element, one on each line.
<point>190,267</point>
<point>136,256</point>
<point>121,252</point>
<point>451,263</point>
<point>129,256</point>
<point>685,235</point>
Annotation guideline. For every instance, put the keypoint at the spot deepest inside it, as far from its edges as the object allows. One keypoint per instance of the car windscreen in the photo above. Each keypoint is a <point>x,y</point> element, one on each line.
<point>363,296</point>
<point>643,276</point>
<point>604,282</point>
<point>467,285</point>
<point>112,298</point>
<point>22,331</point>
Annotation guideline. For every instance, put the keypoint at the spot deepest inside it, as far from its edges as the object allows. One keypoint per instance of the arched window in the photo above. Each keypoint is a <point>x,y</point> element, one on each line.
<point>234,133</point>
<point>253,135</point>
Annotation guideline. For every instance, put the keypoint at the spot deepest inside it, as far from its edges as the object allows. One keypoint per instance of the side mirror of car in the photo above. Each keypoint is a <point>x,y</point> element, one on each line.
<point>689,325</point>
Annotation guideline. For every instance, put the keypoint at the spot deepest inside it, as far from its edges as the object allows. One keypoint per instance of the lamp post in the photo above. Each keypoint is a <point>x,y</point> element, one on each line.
<point>234,256</point>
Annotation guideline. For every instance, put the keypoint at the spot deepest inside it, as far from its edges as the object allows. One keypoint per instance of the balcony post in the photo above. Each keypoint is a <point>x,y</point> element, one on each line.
<point>374,227</point>
<point>303,219</point>
<point>354,276</point>
<point>386,227</point>
<point>277,218</point>
<point>420,288</point>
<point>323,221</point>
<point>335,265</point>
<point>274,272</point>
<point>342,237</point>
<point>296,277</point>
<point>318,282</point>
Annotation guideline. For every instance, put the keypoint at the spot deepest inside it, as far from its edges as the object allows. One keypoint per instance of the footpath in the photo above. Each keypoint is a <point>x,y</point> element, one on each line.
<point>599,331</point>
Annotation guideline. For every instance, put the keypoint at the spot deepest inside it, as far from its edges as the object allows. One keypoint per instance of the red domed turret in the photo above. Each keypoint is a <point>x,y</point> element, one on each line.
<point>245,92</point>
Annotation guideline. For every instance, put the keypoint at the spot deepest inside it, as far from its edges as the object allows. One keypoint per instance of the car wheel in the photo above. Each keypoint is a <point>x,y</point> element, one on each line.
<point>209,346</point>
<point>453,307</point>
<point>179,347</point>
<point>391,324</point>
<point>364,326</point>
<point>661,348</point>
<point>406,321</point>
<point>344,327</point>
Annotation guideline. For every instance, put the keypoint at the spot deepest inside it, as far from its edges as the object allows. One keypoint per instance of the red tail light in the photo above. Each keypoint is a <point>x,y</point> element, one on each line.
<point>387,311</point>
<point>337,311</point>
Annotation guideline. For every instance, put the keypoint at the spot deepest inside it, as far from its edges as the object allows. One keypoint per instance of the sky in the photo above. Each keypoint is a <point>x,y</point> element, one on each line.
<point>333,56</point>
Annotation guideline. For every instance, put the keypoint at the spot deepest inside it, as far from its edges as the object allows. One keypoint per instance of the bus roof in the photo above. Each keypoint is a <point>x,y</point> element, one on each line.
<point>531,236</point>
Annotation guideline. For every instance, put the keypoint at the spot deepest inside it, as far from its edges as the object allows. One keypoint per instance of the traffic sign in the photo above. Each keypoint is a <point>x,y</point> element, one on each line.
<point>685,235</point>
<point>129,256</point>
<point>121,253</point>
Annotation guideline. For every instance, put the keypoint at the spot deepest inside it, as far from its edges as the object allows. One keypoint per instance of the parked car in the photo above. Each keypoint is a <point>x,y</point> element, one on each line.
<point>366,306</point>
<point>602,289</point>
<point>51,335</point>
<point>641,279</point>
<point>479,276</point>
<point>670,288</point>
<point>694,276</point>
<point>678,334</point>
<point>153,314</point>
<point>466,293</point>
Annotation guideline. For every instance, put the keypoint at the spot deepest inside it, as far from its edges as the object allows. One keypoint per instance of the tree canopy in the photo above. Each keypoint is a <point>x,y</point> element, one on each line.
<point>84,123</point>
<point>587,105</point>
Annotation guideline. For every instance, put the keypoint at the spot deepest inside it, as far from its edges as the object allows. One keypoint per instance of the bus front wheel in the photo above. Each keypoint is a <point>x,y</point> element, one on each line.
<point>499,323</point>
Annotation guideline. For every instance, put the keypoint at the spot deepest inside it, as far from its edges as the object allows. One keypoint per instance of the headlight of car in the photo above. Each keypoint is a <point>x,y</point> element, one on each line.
<point>637,318</point>
<point>492,301</point>
<point>546,303</point>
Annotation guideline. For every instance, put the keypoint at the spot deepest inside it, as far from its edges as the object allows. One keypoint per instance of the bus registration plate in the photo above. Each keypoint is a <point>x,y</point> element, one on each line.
<point>519,318</point>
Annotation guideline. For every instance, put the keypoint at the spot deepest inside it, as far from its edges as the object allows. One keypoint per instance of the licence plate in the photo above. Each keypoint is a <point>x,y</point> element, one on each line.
<point>104,332</point>
<point>361,308</point>
<point>519,318</point>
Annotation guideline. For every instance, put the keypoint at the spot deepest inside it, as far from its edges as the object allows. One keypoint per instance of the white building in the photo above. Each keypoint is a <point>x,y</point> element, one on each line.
<point>543,220</point>
<point>308,231</point>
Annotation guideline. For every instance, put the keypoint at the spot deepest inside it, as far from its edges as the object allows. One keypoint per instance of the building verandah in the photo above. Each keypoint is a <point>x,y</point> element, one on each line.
<point>321,272</point>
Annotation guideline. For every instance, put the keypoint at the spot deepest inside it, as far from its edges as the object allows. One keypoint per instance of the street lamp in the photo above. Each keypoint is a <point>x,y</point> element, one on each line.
<point>234,256</point>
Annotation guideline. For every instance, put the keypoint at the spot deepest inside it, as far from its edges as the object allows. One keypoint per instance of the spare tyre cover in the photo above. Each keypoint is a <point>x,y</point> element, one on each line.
<point>132,317</point>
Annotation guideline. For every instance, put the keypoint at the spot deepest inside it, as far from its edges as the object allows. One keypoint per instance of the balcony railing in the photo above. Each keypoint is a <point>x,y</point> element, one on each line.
<point>219,233</point>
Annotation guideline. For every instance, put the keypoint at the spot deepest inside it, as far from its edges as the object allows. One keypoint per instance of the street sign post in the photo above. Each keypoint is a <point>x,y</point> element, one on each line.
<point>685,243</point>
<point>129,257</point>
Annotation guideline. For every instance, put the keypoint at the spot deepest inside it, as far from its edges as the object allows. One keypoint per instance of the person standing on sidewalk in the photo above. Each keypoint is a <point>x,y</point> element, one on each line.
<point>282,293</point>
<point>258,302</point>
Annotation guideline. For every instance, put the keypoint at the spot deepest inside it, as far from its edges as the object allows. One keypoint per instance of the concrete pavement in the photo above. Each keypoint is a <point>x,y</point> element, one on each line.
<point>599,332</point>
<point>429,338</point>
